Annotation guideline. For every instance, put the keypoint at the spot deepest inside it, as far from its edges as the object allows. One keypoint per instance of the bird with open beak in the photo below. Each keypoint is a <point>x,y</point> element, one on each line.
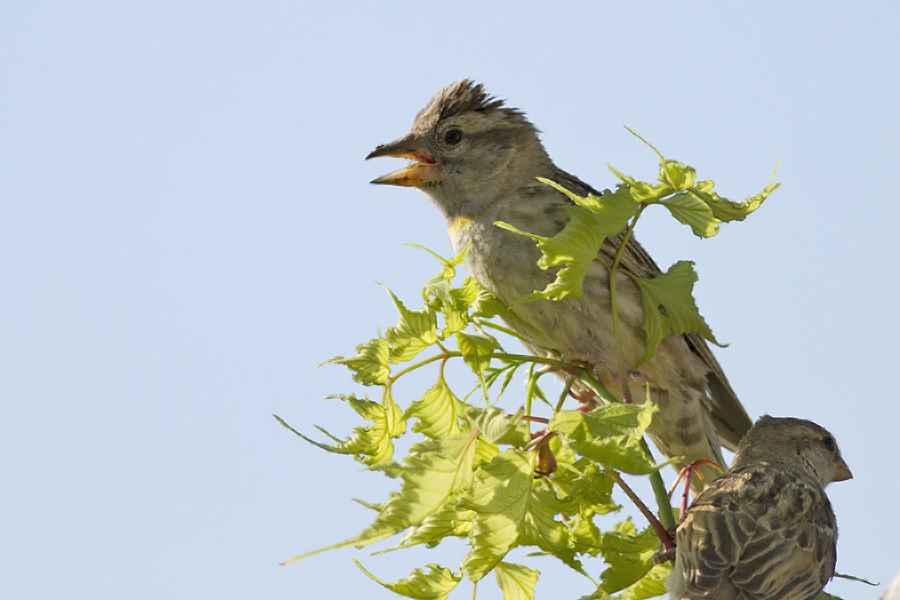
<point>477,160</point>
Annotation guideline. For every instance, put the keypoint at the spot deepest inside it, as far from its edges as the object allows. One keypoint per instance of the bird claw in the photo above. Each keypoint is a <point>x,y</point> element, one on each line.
<point>663,554</point>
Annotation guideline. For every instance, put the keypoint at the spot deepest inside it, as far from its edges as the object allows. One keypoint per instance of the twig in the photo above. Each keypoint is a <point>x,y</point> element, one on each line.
<point>659,491</point>
<point>688,472</point>
<point>614,306</point>
<point>657,526</point>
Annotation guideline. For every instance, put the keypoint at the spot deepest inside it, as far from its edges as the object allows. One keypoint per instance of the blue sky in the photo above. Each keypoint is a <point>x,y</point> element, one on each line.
<point>188,230</point>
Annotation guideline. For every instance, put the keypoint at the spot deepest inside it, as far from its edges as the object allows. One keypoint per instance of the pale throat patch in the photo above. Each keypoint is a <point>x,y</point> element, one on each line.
<point>457,223</point>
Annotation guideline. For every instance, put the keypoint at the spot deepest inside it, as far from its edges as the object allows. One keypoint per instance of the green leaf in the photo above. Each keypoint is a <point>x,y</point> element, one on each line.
<point>497,427</point>
<point>541,528</point>
<point>457,310</point>
<point>438,412</point>
<point>692,211</point>
<point>586,537</point>
<point>574,248</point>
<point>477,351</point>
<point>516,581</point>
<point>676,175</point>
<point>651,585</point>
<point>435,473</point>
<point>577,245</point>
<point>669,306</point>
<point>370,365</point>
<point>641,191</point>
<point>855,578</point>
<point>593,490</point>
<point>500,500</point>
<point>438,288</point>
<point>434,585</point>
<point>615,208</point>
<point>453,303</point>
<point>486,304</point>
<point>610,434</point>
<point>416,330</point>
<point>588,492</point>
<point>389,468</point>
<point>492,374</point>
<point>371,444</point>
<point>485,452</point>
<point>702,209</point>
<point>442,524</point>
<point>369,505</point>
<point>726,210</point>
<point>439,284</point>
<point>629,556</point>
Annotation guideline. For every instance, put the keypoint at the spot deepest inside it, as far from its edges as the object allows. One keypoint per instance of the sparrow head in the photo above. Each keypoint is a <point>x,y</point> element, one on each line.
<point>796,443</point>
<point>466,146</point>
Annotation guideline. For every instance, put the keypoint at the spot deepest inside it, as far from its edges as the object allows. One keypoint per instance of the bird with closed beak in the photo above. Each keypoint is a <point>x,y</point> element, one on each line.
<point>477,160</point>
<point>765,529</point>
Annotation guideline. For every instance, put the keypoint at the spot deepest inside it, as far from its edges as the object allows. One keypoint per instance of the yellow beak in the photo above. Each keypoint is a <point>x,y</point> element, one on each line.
<point>841,470</point>
<point>425,168</point>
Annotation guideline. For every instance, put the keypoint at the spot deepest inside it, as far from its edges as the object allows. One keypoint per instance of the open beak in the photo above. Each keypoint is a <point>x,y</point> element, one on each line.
<point>424,169</point>
<point>841,470</point>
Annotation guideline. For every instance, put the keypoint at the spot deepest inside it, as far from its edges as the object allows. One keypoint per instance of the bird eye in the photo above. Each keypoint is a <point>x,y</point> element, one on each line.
<point>453,136</point>
<point>828,442</point>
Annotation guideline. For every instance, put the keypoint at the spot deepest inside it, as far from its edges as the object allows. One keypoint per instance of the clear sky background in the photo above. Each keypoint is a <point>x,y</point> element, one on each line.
<point>187,230</point>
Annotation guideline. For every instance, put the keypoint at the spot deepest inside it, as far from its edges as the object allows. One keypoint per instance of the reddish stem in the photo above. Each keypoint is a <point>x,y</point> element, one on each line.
<point>661,532</point>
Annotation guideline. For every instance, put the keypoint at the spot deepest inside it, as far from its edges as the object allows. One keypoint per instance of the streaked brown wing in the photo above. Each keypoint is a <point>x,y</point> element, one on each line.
<point>710,542</point>
<point>738,538</point>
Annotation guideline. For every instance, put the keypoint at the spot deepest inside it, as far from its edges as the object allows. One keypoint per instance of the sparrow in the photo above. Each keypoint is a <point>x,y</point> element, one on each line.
<point>478,161</point>
<point>765,529</point>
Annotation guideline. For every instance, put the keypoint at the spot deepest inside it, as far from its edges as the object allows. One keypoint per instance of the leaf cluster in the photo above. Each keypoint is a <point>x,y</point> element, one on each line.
<point>502,481</point>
